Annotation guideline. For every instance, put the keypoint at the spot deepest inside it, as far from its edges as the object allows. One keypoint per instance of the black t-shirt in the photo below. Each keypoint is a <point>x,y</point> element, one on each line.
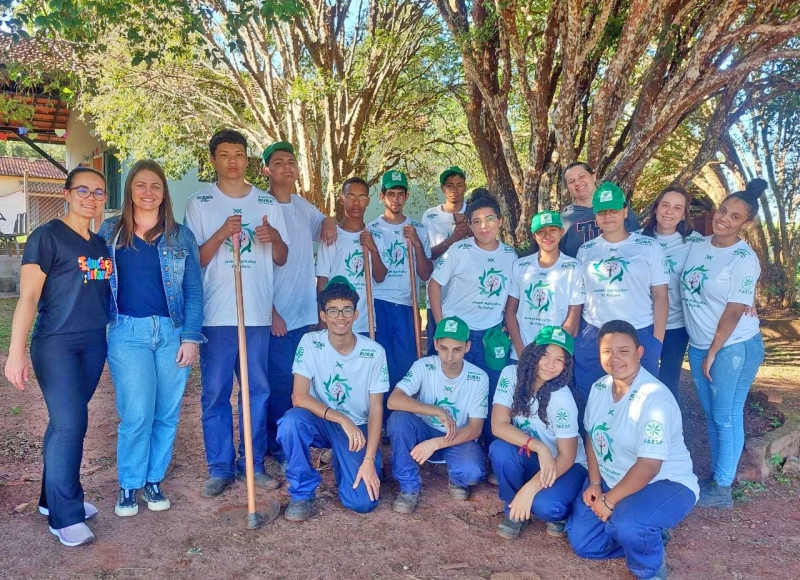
<point>76,292</point>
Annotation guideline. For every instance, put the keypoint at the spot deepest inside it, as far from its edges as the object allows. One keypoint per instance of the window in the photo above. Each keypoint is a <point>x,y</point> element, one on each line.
<point>111,169</point>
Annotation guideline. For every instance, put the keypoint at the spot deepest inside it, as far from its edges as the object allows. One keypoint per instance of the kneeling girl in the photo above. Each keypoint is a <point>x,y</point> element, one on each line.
<point>538,456</point>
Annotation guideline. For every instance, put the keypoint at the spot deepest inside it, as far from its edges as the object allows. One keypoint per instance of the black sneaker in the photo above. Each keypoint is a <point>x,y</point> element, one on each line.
<point>509,529</point>
<point>127,503</point>
<point>557,529</point>
<point>716,496</point>
<point>156,502</point>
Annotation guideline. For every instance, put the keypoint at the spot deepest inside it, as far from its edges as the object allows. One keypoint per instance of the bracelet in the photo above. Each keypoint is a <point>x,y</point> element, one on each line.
<point>595,482</point>
<point>609,507</point>
<point>325,414</point>
<point>366,457</point>
<point>524,449</point>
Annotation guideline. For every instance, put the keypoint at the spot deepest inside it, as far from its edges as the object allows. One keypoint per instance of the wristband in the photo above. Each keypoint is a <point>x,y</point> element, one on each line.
<point>608,507</point>
<point>367,458</point>
<point>325,414</point>
<point>595,482</point>
<point>524,449</point>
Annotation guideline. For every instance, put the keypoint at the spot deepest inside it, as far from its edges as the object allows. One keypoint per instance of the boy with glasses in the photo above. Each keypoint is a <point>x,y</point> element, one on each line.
<point>346,257</point>
<point>339,382</point>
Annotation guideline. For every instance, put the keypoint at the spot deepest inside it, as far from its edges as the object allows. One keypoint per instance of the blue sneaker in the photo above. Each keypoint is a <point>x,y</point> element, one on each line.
<point>127,503</point>
<point>156,502</point>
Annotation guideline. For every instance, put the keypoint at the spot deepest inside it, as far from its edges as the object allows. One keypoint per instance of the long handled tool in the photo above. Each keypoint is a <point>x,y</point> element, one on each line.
<point>368,282</point>
<point>412,271</point>
<point>250,476</point>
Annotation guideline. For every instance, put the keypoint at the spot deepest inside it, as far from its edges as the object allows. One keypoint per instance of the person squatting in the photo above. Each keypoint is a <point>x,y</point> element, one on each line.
<point>558,370</point>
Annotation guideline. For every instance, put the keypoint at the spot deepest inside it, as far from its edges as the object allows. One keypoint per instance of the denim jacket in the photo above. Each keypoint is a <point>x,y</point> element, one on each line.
<point>180,272</point>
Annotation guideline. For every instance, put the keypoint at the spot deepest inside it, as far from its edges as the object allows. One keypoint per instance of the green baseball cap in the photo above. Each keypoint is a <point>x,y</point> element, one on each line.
<point>608,196</point>
<point>558,336</point>
<point>496,347</point>
<point>340,280</point>
<point>279,146</point>
<point>545,219</point>
<point>394,178</point>
<point>454,170</point>
<point>452,327</point>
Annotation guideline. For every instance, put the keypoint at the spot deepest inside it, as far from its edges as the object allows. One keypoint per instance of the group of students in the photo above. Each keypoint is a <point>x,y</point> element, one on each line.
<point>585,430</point>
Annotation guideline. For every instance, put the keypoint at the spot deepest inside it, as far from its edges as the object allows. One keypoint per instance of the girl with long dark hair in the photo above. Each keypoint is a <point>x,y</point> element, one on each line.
<point>671,226</point>
<point>64,279</point>
<point>725,345</point>
<point>538,457</point>
<point>156,316</point>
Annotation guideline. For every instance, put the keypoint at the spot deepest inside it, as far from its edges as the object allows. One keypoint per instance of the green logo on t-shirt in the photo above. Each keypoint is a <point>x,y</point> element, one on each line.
<point>395,254</point>
<point>354,264</point>
<point>602,441</point>
<point>245,239</point>
<point>694,278</point>
<point>448,406</point>
<point>503,384</point>
<point>527,427</point>
<point>747,285</point>
<point>610,270</point>
<point>654,433</point>
<point>337,390</point>
<point>562,419</point>
<point>298,356</point>
<point>670,264</point>
<point>539,296</point>
<point>492,282</point>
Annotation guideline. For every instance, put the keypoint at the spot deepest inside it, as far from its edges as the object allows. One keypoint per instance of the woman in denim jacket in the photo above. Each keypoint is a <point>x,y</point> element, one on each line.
<point>153,338</point>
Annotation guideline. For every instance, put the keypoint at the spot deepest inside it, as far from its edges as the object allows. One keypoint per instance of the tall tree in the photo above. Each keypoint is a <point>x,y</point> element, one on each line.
<point>606,81</point>
<point>341,80</point>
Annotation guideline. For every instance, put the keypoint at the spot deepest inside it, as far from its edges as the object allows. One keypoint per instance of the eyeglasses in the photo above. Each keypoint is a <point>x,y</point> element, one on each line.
<point>488,220</point>
<point>351,197</point>
<point>348,312</point>
<point>84,192</point>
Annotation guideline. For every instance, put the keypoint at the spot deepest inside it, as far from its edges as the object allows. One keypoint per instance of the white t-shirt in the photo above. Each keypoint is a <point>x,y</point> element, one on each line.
<point>439,225</point>
<point>346,258</point>
<point>464,397</point>
<point>396,288</point>
<point>544,294</point>
<point>618,278</point>
<point>206,211</point>
<point>476,281</point>
<point>712,278</point>
<point>343,382</point>
<point>646,423</point>
<point>295,285</point>
<point>676,250</point>
<point>562,414</point>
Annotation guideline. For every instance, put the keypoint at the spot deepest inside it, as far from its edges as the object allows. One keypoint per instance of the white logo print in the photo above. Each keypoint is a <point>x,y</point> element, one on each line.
<point>605,196</point>
<point>396,176</point>
<point>558,335</point>
<point>499,352</point>
<point>547,219</point>
<point>451,326</point>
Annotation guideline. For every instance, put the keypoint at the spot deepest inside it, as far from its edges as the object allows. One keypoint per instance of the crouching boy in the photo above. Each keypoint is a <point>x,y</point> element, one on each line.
<point>339,381</point>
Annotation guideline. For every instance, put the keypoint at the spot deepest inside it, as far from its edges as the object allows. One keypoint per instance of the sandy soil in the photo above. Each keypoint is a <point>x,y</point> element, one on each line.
<point>444,539</point>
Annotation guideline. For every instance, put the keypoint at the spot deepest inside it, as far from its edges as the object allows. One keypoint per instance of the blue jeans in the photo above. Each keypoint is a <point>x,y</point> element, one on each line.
<point>475,356</point>
<point>634,528</point>
<point>587,359</point>
<point>149,399</point>
<point>68,368</point>
<point>723,399</point>
<point>513,470</point>
<point>395,333</point>
<point>465,463</point>
<point>298,431</point>
<point>219,360</point>
<point>281,382</point>
<point>672,354</point>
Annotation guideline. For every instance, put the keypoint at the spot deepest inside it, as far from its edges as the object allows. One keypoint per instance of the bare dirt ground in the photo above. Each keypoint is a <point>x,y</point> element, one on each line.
<point>759,539</point>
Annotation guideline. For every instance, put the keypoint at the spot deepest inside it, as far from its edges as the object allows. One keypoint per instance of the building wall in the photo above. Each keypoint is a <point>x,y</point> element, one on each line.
<point>82,146</point>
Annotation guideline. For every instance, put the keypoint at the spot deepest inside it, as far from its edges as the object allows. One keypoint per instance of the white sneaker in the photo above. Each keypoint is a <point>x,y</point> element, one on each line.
<point>89,508</point>
<point>74,535</point>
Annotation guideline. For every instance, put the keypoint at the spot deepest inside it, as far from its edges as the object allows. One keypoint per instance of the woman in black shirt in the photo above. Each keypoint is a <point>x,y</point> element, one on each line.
<point>64,279</point>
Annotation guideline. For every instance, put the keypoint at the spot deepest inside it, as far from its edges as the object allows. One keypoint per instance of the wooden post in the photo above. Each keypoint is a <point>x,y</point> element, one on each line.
<point>412,271</point>
<point>368,282</point>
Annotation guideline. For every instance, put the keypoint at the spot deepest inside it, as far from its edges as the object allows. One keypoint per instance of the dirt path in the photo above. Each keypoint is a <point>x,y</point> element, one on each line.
<point>444,539</point>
